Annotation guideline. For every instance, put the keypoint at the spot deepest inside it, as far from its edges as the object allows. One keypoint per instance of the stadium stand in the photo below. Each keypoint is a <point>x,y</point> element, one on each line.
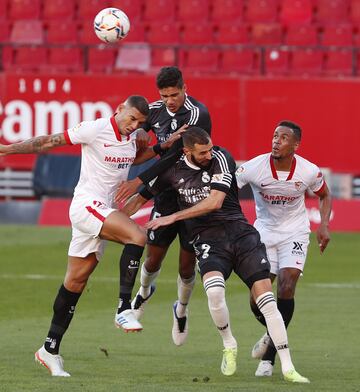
<point>23,9</point>
<point>227,11</point>
<point>194,10</point>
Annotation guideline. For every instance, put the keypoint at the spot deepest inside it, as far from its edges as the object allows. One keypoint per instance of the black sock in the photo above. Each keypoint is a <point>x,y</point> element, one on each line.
<point>286,308</point>
<point>64,308</point>
<point>129,266</point>
<point>258,315</point>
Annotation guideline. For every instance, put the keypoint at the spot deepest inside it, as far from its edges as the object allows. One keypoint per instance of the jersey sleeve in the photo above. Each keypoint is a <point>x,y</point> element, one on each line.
<point>223,170</point>
<point>203,120</point>
<point>85,132</point>
<point>318,181</point>
<point>158,184</point>
<point>241,176</point>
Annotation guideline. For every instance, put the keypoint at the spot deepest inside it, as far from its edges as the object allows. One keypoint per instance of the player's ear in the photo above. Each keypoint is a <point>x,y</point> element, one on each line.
<point>186,151</point>
<point>184,88</point>
<point>296,145</point>
<point>120,108</point>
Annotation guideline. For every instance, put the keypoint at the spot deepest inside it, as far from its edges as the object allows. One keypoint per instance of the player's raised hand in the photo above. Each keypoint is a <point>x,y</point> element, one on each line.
<point>174,136</point>
<point>127,189</point>
<point>142,139</point>
<point>159,222</point>
<point>323,237</point>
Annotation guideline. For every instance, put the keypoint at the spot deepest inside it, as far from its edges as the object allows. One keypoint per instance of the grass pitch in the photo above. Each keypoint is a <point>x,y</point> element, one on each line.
<point>324,335</point>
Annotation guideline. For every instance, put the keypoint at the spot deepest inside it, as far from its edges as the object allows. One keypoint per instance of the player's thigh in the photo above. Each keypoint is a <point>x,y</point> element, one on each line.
<point>293,251</point>
<point>118,227</point>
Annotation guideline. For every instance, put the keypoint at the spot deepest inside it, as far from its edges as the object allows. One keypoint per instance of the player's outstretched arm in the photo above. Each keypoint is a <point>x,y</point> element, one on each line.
<point>213,202</point>
<point>323,234</point>
<point>34,145</point>
<point>134,204</point>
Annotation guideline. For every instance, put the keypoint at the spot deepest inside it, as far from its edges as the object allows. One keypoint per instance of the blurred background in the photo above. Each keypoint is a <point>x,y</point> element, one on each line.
<point>252,62</point>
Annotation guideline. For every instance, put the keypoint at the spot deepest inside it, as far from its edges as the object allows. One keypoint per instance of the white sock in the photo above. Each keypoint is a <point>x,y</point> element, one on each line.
<point>146,278</point>
<point>215,291</point>
<point>185,289</point>
<point>276,328</point>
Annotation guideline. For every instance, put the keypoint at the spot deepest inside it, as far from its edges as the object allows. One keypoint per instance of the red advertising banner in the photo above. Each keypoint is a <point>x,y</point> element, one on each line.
<point>344,217</point>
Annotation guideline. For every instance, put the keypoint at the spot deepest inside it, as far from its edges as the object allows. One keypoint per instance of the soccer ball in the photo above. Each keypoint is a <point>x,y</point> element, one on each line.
<point>111,25</point>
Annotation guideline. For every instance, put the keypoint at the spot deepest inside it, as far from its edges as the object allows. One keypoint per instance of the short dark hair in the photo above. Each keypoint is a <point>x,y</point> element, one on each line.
<point>195,135</point>
<point>138,102</point>
<point>169,77</point>
<point>293,126</point>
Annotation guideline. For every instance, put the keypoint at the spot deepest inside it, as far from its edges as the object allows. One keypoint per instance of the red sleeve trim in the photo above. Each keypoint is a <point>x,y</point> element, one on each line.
<point>67,138</point>
<point>321,189</point>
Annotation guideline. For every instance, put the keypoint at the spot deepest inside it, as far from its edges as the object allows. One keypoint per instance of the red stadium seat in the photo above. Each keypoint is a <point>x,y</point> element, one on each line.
<point>276,62</point>
<point>305,35</point>
<point>197,33</point>
<point>337,35</point>
<point>4,31</point>
<point>164,33</point>
<point>194,10</point>
<point>27,32</point>
<point>262,10</point>
<point>101,59</point>
<point>332,11</point>
<point>133,58</point>
<point>160,10</point>
<point>296,12</point>
<point>229,33</point>
<point>241,61</point>
<point>132,8</point>
<point>338,63</point>
<point>266,34</point>
<point>86,34</point>
<point>24,9</point>
<point>65,59</point>
<point>355,12</point>
<point>59,10</point>
<point>62,32</point>
<point>307,62</point>
<point>3,9</point>
<point>227,10</point>
<point>162,58</point>
<point>87,9</point>
<point>199,60</point>
<point>30,58</point>
<point>7,58</point>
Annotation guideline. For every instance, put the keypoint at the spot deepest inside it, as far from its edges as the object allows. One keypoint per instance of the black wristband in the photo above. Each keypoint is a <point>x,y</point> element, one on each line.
<point>157,148</point>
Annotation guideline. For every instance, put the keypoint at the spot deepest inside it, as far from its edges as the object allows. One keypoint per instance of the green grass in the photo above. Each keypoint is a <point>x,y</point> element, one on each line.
<point>324,334</point>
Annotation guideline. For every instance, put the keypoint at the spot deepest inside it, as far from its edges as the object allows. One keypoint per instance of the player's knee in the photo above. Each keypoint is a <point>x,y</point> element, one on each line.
<point>136,236</point>
<point>286,289</point>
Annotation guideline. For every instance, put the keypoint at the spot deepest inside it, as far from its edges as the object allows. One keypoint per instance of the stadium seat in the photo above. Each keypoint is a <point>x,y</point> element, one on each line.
<point>194,10</point>
<point>338,63</point>
<point>87,9</point>
<point>58,10</point>
<point>132,8</point>
<point>296,12</point>
<point>276,62</point>
<point>305,35</point>
<point>160,10</point>
<point>133,58</point>
<point>266,33</point>
<point>4,31</point>
<point>30,58</point>
<point>230,33</point>
<point>199,60</point>
<point>262,10</point>
<point>62,32</point>
<point>7,58</point>
<point>101,59</point>
<point>227,10</point>
<point>86,34</point>
<point>241,61</point>
<point>27,32</point>
<point>197,33</point>
<point>24,9</point>
<point>162,58</point>
<point>337,35</point>
<point>332,11</point>
<point>164,33</point>
<point>65,59</point>
<point>306,62</point>
<point>137,32</point>
<point>355,12</point>
<point>3,10</point>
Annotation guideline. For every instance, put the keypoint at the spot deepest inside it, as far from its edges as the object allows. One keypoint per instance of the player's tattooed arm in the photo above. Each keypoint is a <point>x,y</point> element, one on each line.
<point>34,145</point>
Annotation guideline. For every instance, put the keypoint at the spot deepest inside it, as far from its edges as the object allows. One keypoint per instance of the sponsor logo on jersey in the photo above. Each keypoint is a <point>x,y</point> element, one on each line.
<point>119,159</point>
<point>263,261</point>
<point>264,185</point>
<point>278,197</point>
<point>156,125</point>
<point>319,174</point>
<point>107,145</point>
<point>181,180</point>
<point>297,249</point>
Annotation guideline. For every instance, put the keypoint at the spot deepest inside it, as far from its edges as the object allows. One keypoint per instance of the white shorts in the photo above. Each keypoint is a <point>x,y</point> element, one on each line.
<point>87,216</point>
<point>285,251</point>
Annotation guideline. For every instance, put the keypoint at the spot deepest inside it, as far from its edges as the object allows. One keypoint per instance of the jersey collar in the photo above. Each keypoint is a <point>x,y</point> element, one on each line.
<point>116,129</point>
<point>274,173</point>
<point>191,165</point>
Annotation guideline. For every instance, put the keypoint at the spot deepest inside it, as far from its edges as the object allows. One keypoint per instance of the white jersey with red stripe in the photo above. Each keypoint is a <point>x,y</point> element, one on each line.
<point>106,158</point>
<point>280,196</point>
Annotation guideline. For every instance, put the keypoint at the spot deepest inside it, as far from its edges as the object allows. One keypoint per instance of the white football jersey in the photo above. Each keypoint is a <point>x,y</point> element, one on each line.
<point>280,196</point>
<point>106,157</point>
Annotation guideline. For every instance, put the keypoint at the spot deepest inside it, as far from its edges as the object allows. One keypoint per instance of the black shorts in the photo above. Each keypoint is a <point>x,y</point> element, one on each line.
<point>165,235</point>
<point>232,246</point>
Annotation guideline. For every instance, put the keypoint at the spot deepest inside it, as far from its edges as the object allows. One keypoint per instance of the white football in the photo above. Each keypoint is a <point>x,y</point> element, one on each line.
<point>111,25</point>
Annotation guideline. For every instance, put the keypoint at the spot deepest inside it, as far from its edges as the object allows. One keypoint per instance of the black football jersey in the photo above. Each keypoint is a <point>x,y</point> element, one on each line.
<point>163,123</point>
<point>193,184</point>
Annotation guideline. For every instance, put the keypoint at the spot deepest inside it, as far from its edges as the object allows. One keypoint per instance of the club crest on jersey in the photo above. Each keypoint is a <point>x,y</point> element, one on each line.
<point>205,177</point>
<point>173,124</point>
<point>298,185</point>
